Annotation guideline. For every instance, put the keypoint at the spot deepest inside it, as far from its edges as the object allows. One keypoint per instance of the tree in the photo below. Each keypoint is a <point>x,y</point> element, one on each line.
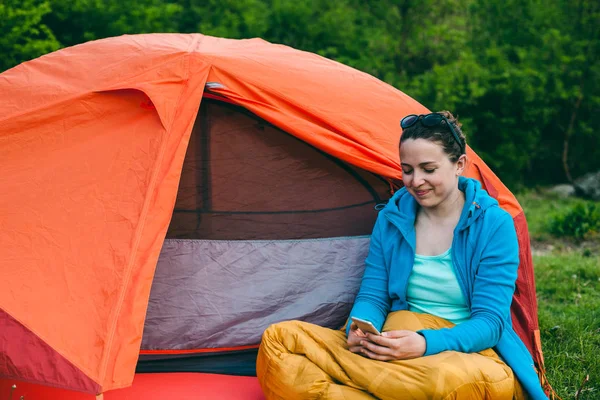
<point>23,36</point>
<point>78,21</point>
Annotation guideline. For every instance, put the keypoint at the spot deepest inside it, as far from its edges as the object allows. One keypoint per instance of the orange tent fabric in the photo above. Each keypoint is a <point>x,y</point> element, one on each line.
<point>92,140</point>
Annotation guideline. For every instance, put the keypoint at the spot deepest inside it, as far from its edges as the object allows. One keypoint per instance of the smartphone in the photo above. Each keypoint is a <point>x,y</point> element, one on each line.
<point>366,326</point>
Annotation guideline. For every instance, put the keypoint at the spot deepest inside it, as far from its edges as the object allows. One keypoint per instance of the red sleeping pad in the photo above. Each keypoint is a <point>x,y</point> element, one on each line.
<point>151,386</point>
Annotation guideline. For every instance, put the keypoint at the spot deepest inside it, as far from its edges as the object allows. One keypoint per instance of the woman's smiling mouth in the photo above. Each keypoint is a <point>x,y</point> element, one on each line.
<point>422,193</point>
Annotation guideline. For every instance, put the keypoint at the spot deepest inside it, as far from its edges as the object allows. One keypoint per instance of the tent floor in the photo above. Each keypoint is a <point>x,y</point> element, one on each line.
<point>154,386</point>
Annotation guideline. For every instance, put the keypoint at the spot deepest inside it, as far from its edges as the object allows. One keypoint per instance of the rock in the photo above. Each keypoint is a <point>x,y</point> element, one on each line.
<point>588,186</point>
<point>563,190</point>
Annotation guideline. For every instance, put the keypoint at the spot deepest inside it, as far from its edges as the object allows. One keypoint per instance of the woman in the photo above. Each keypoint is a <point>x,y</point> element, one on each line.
<point>438,283</point>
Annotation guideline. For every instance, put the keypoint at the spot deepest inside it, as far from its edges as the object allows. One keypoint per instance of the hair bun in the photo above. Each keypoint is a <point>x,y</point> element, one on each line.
<point>453,120</point>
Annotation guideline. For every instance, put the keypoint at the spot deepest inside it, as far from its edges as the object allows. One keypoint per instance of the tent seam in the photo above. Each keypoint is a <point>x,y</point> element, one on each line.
<point>151,191</point>
<point>260,241</point>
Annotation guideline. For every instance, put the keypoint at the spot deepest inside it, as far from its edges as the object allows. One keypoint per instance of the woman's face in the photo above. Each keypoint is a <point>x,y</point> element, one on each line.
<point>428,174</point>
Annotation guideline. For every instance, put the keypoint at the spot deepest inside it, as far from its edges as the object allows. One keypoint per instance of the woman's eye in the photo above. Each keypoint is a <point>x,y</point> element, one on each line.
<point>430,171</point>
<point>407,172</point>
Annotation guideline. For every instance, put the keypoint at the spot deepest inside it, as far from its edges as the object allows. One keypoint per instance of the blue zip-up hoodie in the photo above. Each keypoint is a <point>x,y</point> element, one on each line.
<point>485,256</point>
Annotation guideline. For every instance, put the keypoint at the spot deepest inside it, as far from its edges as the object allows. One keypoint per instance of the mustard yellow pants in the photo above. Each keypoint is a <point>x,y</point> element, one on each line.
<point>299,360</point>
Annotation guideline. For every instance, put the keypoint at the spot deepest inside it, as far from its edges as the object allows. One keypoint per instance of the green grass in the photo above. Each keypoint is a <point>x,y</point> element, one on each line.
<point>568,291</point>
<point>540,209</point>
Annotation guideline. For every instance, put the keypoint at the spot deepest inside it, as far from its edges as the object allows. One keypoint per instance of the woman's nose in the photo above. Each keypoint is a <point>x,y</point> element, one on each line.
<point>417,179</point>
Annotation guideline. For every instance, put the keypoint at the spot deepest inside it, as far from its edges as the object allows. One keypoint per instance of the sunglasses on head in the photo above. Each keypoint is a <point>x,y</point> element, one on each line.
<point>431,120</point>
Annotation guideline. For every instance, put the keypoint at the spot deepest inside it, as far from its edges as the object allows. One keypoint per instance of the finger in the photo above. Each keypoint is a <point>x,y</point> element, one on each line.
<point>374,356</point>
<point>397,333</point>
<point>355,349</point>
<point>355,340</point>
<point>359,333</point>
<point>380,340</point>
<point>355,337</point>
<point>355,329</point>
<point>384,341</point>
<point>375,348</point>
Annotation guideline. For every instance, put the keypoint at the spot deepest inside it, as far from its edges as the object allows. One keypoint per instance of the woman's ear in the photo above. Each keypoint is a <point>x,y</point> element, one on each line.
<point>461,164</point>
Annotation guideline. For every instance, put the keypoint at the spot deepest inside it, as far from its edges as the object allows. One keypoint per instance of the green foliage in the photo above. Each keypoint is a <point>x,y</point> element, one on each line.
<point>522,75</point>
<point>580,222</point>
<point>550,216</point>
<point>78,21</point>
<point>226,18</point>
<point>528,67</point>
<point>22,34</point>
<point>538,207</point>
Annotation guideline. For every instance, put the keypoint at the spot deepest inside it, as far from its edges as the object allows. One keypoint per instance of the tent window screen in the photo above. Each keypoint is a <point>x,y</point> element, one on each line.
<point>242,178</point>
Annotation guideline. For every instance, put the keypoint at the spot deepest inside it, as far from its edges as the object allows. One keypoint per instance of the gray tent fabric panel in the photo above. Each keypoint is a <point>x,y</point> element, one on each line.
<point>222,294</point>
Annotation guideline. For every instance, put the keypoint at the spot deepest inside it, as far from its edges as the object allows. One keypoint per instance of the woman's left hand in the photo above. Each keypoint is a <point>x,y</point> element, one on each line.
<point>394,345</point>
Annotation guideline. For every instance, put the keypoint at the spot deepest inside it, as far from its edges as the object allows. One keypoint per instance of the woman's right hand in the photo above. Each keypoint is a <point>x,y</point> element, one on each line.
<point>355,336</point>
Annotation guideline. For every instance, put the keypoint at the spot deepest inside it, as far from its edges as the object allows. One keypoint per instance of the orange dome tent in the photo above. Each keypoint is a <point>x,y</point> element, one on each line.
<point>95,142</point>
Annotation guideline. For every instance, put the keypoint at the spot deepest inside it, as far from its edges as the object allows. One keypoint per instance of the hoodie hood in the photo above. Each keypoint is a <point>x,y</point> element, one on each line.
<point>401,209</point>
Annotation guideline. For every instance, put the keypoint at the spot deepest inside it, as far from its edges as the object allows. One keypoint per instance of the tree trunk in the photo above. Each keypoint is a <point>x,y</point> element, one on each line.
<point>568,134</point>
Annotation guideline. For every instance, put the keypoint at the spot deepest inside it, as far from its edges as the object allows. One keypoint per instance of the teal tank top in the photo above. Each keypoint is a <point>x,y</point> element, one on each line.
<point>433,288</point>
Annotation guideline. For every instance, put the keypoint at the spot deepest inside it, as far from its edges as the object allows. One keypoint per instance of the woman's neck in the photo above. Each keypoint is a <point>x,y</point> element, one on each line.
<point>449,209</point>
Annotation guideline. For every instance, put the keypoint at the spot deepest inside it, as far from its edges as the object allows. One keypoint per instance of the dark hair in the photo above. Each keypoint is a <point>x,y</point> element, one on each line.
<point>439,134</point>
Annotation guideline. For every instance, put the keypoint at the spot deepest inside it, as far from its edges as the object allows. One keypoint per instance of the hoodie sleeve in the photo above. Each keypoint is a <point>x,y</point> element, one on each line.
<point>491,298</point>
<point>372,302</point>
